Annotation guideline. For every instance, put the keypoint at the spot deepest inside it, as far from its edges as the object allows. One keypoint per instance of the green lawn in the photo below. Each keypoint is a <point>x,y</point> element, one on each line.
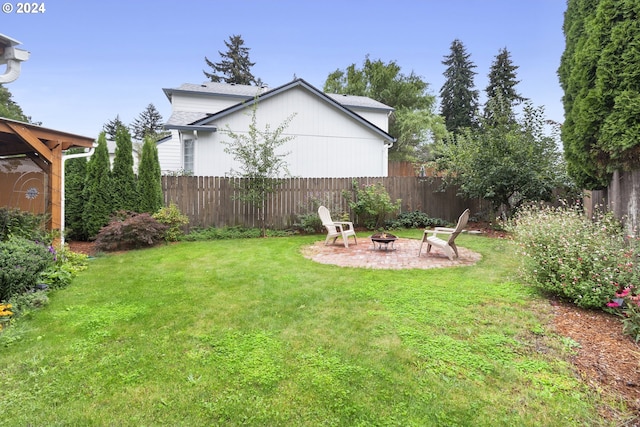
<point>249,332</point>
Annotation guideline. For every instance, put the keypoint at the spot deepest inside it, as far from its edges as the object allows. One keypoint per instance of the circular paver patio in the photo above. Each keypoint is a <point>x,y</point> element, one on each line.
<point>404,255</point>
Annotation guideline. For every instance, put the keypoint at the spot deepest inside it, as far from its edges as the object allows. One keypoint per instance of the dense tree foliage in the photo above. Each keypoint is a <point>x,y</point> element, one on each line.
<point>414,121</point>
<point>600,77</point>
<point>75,175</point>
<point>458,96</point>
<point>148,123</point>
<point>502,86</point>
<point>506,164</point>
<point>149,178</point>
<point>97,190</point>
<point>234,65</point>
<point>123,178</point>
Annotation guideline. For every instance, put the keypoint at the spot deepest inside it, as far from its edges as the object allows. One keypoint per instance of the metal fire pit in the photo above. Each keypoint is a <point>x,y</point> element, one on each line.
<point>383,239</point>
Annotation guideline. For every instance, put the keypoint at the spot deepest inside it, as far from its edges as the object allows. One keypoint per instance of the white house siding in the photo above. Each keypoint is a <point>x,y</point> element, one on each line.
<point>201,103</point>
<point>378,118</point>
<point>170,154</point>
<point>327,143</point>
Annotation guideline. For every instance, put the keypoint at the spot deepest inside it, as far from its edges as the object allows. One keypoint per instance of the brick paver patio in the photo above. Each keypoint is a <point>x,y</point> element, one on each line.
<point>404,255</point>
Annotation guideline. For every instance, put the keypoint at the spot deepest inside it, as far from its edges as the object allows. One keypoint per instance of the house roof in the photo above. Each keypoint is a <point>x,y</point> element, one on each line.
<point>247,92</point>
<point>259,94</point>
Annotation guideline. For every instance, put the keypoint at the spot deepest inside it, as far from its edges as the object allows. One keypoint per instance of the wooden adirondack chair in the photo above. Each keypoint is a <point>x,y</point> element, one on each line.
<point>448,246</point>
<point>336,229</point>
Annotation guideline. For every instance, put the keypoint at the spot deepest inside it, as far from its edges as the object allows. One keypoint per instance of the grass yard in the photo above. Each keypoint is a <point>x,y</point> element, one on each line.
<point>249,332</point>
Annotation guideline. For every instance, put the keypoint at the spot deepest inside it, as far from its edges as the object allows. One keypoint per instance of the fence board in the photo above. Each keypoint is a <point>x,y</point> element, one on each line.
<point>213,201</point>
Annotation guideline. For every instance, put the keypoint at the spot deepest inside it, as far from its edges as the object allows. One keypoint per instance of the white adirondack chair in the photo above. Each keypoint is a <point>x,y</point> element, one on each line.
<point>448,246</point>
<point>336,229</point>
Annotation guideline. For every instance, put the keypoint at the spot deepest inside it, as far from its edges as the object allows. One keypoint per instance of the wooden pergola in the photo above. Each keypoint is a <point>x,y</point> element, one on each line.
<point>45,148</point>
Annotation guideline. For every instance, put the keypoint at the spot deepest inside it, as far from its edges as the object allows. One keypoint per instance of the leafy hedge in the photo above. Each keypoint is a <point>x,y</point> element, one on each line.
<point>21,262</point>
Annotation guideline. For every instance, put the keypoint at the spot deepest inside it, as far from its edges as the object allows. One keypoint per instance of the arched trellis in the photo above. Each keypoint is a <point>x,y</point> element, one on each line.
<point>45,147</point>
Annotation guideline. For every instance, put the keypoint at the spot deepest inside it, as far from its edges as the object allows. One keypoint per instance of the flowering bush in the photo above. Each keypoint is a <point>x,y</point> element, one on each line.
<point>5,315</point>
<point>627,305</point>
<point>586,261</point>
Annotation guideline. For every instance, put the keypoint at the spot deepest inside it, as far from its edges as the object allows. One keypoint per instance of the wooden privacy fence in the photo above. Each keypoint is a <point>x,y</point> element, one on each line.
<point>213,201</point>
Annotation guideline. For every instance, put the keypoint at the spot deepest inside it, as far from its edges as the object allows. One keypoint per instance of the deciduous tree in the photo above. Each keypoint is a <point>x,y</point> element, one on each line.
<point>414,116</point>
<point>262,162</point>
<point>506,165</point>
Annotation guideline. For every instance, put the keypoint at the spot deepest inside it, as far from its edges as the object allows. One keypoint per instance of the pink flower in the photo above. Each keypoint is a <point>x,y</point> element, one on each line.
<point>623,294</point>
<point>613,304</point>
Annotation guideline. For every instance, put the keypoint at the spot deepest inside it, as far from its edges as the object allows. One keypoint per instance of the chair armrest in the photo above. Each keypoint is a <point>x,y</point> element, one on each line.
<point>343,223</point>
<point>444,230</point>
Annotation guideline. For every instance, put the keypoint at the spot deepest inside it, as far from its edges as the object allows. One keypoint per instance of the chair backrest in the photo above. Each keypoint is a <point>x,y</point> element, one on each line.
<point>325,217</point>
<point>462,223</point>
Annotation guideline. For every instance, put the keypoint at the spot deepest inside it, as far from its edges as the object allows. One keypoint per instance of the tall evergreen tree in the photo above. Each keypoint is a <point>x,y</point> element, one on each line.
<point>111,127</point>
<point>148,123</point>
<point>75,175</point>
<point>502,85</point>
<point>149,178</point>
<point>234,65</point>
<point>125,192</point>
<point>97,190</point>
<point>601,80</point>
<point>458,98</point>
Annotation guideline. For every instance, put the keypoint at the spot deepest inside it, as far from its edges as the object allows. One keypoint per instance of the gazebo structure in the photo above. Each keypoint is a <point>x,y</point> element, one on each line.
<point>32,168</point>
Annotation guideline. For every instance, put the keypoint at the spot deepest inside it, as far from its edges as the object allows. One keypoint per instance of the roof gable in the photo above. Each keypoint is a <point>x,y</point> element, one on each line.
<point>331,101</point>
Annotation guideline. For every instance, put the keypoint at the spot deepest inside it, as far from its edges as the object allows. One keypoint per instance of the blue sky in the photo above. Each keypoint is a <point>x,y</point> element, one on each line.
<point>92,60</point>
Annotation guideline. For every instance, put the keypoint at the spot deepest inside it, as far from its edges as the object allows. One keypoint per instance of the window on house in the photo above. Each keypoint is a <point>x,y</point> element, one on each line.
<point>188,155</point>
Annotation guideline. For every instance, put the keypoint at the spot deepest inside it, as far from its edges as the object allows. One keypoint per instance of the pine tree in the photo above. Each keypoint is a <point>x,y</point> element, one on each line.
<point>111,128</point>
<point>125,193</point>
<point>501,90</point>
<point>234,66</point>
<point>459,99</point>
<point>149,178</point>
<point>75,175</point>
<point>97,190</point>
<point>148,123</point>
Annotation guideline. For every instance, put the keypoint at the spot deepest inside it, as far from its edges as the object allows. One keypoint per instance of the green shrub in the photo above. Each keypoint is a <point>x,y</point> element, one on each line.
<point>631,319</point>
<point>22,304</point>
<point>130,230</point>
<point>225,233</point>
<point>372,204</point>
<point>17,223</point>
<point>66,266</point>
<point>586,261</point>
<point>174,220</point>
<point>21,262</point>
<point>309,223</point>
<point>415,219</point>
